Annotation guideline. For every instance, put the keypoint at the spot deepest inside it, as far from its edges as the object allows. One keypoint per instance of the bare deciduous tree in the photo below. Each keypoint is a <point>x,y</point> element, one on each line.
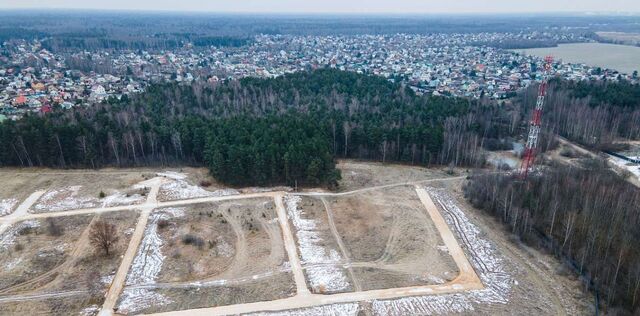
<point>103,236</point>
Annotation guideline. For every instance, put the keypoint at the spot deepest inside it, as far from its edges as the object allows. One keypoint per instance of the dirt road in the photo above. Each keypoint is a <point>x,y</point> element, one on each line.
<point>467,280</point>
<point>121,275</point>
<point>292,250</point>
<point>21,211</point>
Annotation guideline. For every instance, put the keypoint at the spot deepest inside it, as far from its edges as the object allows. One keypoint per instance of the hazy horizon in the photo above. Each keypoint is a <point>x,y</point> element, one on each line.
<point>337,6</point>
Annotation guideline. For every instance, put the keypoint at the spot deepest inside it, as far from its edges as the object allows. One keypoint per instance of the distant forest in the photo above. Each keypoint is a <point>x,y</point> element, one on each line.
<point>94,30</point>
<point>252,131</point>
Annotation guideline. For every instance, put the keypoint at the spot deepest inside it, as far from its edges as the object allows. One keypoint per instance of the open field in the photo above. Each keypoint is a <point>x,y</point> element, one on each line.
<point>53,258</point>
<point>396,240</point>
<point>621,37</point>
<point>390,230</point>
<point>623,58</point>
<point>358,175</point>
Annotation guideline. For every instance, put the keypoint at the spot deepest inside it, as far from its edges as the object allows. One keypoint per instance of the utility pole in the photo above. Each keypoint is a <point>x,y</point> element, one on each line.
<point>536,120</point>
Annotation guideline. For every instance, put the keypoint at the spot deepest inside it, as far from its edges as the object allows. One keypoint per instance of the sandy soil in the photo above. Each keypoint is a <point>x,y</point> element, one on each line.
<point>391,229</point>
<point>356,175</point>
<point>239,238</point>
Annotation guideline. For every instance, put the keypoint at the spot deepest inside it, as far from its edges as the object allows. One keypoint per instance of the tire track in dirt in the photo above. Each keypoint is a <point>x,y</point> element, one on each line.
<point>393,234</point>
<point>240,256</point>
<point>334,230</point>
<point>80,245</point>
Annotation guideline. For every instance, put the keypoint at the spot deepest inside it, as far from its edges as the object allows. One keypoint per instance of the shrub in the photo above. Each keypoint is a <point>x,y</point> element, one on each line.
<point>163,223</point>
<point>54,229</point>
<point>193,240</point>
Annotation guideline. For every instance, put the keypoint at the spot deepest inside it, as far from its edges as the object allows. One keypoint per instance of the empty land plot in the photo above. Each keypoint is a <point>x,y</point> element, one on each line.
<point>357,175</point>
<point>263,289</point>
<point>52,259</point>
<point>67,190</point>
<point>320,254</point>
<point>191,185</point>
<point>209,254</point>
<point>391,240</point>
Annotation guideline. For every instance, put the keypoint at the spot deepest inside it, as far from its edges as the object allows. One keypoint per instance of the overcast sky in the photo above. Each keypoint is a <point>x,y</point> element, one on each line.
<point>337,6</point>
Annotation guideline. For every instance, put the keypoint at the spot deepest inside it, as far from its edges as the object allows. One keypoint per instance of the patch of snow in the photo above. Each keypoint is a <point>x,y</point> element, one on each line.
<point>12,264</point>
<point>181,190</point>
<point>64,199</point>
<point>7,205</point>
<point>145,268</point>
<point>424,305</point>
<point>435,280</point>
<point>312,251</point>
<point>148,261</point>
<point>61,247</point>
<point>134,300</point>
<point>129,231</point>
<point>483,256</point>
<point>268,189</point>
<point>224,249</point>
<point>90,311</point>
<point>9,237</point>
<point>119,198</point>
<point>173,212</point>
<point>172,175</point>
<point>626,165</point>
<point>347,309</point>
<point>107,279</point>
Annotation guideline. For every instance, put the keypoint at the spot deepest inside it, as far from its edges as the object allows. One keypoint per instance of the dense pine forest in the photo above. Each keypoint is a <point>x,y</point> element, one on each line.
<point>252,131</point>
<point>589,216</point>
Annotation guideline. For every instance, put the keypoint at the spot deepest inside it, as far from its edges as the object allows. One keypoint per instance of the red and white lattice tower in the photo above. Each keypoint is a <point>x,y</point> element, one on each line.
<point>534,126</point>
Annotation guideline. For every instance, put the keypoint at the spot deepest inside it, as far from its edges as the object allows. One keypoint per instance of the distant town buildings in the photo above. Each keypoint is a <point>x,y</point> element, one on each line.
<point>33,79</point>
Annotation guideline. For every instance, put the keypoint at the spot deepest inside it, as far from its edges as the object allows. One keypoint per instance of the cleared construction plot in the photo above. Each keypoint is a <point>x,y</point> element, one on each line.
<point>390,239</point>
<point>378,239</point>
<point>210,254</point>
<point>49,266</point>
<point>358,175</point>
<point>403,243</point>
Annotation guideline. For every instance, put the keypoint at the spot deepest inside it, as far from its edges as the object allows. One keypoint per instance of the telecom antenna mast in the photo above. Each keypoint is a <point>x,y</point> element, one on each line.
<point>534,126</point>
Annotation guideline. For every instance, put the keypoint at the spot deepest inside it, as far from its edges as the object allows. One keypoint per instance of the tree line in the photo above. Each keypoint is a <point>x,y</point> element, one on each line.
<point>593,113</point>
<point>251,131</point>
<point>590,216</point>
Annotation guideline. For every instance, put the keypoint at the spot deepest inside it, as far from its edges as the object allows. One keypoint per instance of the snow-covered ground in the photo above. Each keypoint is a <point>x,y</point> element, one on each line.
<point>7,206</point>
<point>90,311</point>
<point>119,198</point>
<point>177,188</point>
<point>68,198</point>
<point>347,309</point>
<point>482,255</point>
<point>64,199</point>
<point>626,165</point>
<point>331,278</point>
<point>8,238</point>
<point>147,266</point>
